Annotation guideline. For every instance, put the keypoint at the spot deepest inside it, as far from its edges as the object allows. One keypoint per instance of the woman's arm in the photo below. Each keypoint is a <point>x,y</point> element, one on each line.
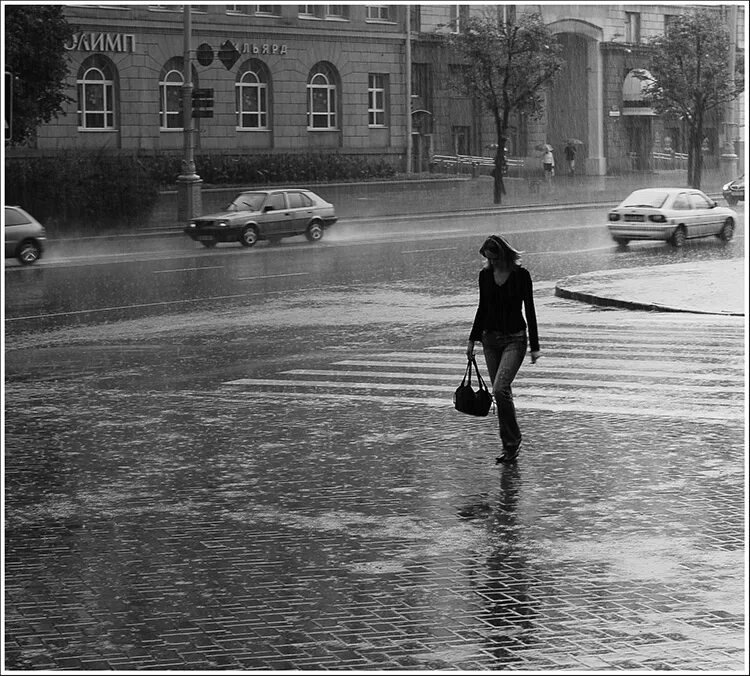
<point>530,311</point>
<point>476,328</point>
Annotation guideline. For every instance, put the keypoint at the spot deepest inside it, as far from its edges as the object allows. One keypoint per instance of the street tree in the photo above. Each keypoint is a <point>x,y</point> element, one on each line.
<point>509,61</point>
<point>36,61</point>
<point>691,78</point>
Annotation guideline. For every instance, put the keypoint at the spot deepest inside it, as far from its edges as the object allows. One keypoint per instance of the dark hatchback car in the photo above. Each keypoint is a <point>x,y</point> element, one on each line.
<point>265,214</point>
<point>734,191</point>
<point>24,236</point>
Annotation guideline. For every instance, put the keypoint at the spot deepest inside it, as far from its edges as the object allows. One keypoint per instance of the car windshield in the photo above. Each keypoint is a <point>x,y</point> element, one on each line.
<point>646,198</point>
<point>247,201</point>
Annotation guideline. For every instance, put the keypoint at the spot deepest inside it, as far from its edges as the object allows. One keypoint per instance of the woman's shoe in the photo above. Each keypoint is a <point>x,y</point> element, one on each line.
<point>509,455</point>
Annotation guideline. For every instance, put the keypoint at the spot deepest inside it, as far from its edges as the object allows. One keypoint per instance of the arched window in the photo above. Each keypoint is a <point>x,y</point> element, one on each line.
<point>170,108</point>
<point>96,98</point>
<point>251,97</point>
<point>322,98</point>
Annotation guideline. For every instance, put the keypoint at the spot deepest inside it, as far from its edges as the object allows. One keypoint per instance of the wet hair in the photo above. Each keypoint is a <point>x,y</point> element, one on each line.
<point>497,248</point>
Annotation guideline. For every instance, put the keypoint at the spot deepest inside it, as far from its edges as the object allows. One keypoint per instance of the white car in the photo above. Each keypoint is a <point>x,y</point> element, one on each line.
<point>670,214</point>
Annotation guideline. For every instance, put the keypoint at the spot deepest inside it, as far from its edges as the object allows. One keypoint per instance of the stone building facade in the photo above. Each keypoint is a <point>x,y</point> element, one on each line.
<point>333,78</point>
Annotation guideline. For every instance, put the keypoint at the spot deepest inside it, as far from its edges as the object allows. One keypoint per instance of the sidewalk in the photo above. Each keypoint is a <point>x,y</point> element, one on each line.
<point>710,287</point>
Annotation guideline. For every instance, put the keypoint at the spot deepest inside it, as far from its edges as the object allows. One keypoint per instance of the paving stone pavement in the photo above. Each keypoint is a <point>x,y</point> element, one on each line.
<point>276,523</point>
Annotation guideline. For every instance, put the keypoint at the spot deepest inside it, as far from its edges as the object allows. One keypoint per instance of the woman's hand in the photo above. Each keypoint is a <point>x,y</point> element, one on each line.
<point>535,354</point>
<point>470,349</point>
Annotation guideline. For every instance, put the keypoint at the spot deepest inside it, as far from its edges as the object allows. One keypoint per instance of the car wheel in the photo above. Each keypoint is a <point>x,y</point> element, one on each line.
<point>28,252</point>
<point>249,236</point>
<point>678,236</point>
<point>727,230</point>
<point>732,201</point>
<point>621,241</point>
<point>209,243</point>
<point>314,232</point>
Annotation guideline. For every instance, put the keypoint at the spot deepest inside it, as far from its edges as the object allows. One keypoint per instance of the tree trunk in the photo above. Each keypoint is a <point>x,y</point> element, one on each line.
<point>499,190</point>
<point>698,161</point>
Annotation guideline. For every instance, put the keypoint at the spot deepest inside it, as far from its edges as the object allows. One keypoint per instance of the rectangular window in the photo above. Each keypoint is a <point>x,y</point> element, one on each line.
<point>239,9</point>
<point>273,10</point>
<point>668,21</point>
<point>308,11</point>
<point>378,13</point>
<point>416,18</point>
<point>376,95</point>
<point>458,16</point>
<point>336,11</point>
<point>633,27</point>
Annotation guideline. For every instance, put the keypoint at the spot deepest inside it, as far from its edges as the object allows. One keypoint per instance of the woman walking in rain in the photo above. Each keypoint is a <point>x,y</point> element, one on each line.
<point>504,288</point>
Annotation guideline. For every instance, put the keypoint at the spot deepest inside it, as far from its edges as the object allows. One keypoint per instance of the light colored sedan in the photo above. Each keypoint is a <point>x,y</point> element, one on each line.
<point>265,214</point>
<point>24,236</point>
<point>673,215</point>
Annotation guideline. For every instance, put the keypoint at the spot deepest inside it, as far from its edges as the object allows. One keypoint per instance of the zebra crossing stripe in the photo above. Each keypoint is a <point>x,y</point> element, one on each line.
<point>695,415</point>
<point>528,378</point>
<point>669,371</point>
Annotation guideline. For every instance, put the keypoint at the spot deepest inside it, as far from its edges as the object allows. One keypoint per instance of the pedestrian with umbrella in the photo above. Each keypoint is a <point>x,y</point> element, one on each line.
<point>548,161</point>
<point>570,154</point>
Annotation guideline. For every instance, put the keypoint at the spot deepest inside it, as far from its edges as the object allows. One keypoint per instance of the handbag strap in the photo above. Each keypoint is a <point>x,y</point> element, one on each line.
<point>479,375</point>
<point>467,374</point>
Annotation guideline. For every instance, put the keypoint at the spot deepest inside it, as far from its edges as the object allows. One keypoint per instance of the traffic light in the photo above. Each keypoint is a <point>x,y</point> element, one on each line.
<point>8,105</point>
<point>203,103</point>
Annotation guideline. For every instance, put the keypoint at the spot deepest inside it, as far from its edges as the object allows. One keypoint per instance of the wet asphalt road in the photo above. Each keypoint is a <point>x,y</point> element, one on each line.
<point>281,482</point>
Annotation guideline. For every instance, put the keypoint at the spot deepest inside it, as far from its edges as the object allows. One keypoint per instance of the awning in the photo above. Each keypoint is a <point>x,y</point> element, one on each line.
<point>633,88</point>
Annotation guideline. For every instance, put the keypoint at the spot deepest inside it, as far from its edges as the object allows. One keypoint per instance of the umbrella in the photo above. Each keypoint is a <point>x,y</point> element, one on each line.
<point>574,141</point>
<point>543,146</point>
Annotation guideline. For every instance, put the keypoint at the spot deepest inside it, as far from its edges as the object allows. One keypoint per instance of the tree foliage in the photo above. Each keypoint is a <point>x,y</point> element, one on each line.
<point>508,66</point>
<point>691,77</point>
<point>35,36</point>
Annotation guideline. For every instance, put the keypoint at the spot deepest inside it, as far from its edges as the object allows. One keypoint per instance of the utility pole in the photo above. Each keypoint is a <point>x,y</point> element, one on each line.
<point>188,182</point>
<point>728,158</point>
<point>409,140</point>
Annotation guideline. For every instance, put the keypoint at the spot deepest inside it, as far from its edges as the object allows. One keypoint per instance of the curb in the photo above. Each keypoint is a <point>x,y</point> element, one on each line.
<point>601,301</point>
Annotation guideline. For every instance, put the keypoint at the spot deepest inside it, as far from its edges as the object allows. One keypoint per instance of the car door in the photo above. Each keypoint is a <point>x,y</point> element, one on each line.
<point>14,222</point>
<point>301,209</point>
<point>704,214</point>
<point>682,212</point>
<point>275,221</point>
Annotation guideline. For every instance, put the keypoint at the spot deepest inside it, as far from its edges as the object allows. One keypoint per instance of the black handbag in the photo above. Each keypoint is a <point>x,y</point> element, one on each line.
<point>469,401</point>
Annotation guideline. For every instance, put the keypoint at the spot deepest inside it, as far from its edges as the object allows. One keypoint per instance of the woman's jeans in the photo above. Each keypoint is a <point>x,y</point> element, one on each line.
<point>504,354</point>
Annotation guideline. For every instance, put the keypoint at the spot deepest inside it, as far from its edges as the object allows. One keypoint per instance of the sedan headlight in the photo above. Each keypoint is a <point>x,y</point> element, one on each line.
<point>193,224</point>
<point>726,186</point>
<point>657,218</point>
<point>614,217</point>
<point>222,224</point>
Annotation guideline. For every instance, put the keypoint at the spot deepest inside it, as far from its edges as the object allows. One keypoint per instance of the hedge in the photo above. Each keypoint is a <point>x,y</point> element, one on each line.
<point>83,190</point>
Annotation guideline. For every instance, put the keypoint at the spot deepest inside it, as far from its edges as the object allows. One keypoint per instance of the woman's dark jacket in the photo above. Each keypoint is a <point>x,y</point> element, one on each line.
<point>500,306</point>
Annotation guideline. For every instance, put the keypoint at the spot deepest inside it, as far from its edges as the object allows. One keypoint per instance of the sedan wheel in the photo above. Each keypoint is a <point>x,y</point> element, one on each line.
<point>732,201</point>
<point>679,236</point>
<point>28,253</point>
<point>249,236</point>
<point>621,241</point>
<point>727,230</point>
<point>314,232</point>
<point>209,243</point>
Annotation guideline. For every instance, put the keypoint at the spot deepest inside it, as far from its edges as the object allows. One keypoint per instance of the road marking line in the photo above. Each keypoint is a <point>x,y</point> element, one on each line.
<point>527,379</point>
<point>543,393</point>
<point>694,415</point>
<point>205,267</point>
<point>288,274</point>
<point>562,369</point>
<point>445,248</point>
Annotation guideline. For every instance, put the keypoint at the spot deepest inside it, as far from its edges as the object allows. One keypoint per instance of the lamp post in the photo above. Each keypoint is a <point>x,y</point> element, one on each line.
<point>188,182</point>
<point>728,158</point>
<point>409,139</point>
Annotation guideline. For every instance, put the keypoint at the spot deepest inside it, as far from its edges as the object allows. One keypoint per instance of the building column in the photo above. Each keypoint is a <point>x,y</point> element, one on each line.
<point>596,163</point>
